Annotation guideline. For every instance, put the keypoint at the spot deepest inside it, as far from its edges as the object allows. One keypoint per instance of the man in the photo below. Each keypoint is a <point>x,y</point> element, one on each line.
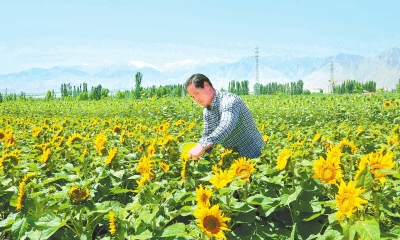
<point>227,120</point>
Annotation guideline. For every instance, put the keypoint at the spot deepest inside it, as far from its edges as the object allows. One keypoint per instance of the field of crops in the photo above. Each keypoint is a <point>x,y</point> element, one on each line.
<point>117,169</point>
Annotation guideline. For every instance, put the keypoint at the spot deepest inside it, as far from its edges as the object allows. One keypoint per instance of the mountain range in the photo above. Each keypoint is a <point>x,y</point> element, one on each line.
<point>315,72</point>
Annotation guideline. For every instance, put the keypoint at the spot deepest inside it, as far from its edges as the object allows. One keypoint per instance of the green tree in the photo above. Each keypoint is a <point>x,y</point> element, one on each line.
<point>398,86</point>
<point>104,92</point>
<point>138,87</point>
<point>48,95</point>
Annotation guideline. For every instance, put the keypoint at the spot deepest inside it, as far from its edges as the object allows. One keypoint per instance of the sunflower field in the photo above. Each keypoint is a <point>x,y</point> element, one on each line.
<point>118,169</point>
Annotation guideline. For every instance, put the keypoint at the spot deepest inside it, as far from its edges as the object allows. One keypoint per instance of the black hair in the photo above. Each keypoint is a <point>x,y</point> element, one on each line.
<point>198,80</point>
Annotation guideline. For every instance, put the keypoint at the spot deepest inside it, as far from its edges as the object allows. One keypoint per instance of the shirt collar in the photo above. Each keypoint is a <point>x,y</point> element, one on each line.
<point>214,101</point>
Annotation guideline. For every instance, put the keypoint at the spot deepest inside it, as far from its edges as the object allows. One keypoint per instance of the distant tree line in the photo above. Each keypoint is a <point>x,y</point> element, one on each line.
<point>292,88</point>
<point>353,86</point>
<point>81,92</point>
<point>239,87</point>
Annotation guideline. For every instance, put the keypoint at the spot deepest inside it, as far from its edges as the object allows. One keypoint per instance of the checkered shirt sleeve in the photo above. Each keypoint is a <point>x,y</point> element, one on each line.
<point>230,122</point>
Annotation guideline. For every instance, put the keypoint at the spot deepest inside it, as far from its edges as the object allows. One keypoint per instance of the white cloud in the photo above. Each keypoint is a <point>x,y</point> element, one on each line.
<point>183,64</point>
<point>85,64</point>
<point>218,60</point>
<point>141,64</point>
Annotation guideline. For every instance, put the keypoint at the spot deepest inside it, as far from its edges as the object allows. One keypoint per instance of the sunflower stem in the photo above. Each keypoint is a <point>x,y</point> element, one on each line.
<point>227,199</point>
<point>154,223</point>
<point>376,203</point>
<point>203,236</point>
<point>246,190</point>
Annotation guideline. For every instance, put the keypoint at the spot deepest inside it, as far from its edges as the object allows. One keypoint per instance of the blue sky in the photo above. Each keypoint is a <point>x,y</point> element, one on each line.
<point>44,33</point>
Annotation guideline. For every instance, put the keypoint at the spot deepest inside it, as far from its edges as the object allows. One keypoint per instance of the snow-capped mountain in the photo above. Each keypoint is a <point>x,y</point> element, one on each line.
<point>315,72</point>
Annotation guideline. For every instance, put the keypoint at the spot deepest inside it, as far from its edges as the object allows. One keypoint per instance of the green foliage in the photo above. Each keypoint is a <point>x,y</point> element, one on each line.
<point>239,87</point>
<point>274,204</point>
<point>353,86</point>
<point>292,88</point>
<point>138,87</point>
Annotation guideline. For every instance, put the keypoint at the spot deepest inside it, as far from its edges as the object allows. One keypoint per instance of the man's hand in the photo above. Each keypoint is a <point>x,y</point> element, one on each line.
<point>196,152</point>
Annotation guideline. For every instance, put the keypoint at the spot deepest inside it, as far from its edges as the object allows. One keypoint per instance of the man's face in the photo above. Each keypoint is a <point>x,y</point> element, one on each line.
<point>202,96</point>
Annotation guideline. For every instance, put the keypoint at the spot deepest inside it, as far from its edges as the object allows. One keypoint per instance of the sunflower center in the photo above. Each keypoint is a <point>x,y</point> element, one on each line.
<point>243,171</point>
<point>211,224</point>
<point>346,204</point>
<point>328,173</point>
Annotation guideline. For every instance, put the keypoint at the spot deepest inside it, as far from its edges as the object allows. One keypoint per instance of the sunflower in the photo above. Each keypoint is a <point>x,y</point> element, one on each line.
<point>84,153</point>
<point>265,138</point>
<point>9,139</point>
<point>360,130</point>
<point>117,129</point>
<point>73,138</point>
<point>36,131</point>
<point>243,168</point>
<point>21,190</point>
<point>289,136</point>
<point>180,122</point>
<point>111,155</point>
<point>151,150</point>
<point>138,127</point>
<point>377,161</point>
<point>112,222</point>
<point>183,171</point>
<point>351,145</point>
<point>79,194</point>
<point>46,155</point>
<point>221,178</point>
<point>13,157</point>
<point>100,143</point>
<point>317,136</point>
<point>131,134</point>
<point>223,155</point>
<point>283,158</point>
<point>212,221</point>
<point>145,166</point>
<point>203,196</point>
<point>164,166</point>
<point>191,126</point>
<point>328,171</point>
<point>387,104</point>
<point>2,135</point>
<point>122,136</point>
<point>144,178</point>
<point>348,199</point>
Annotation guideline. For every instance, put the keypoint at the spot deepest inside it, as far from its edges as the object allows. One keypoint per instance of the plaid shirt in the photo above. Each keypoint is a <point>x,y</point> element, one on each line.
<point>229,121</point>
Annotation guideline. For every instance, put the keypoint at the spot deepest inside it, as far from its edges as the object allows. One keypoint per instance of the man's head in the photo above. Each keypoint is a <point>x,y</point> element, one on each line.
<point>199,87</point>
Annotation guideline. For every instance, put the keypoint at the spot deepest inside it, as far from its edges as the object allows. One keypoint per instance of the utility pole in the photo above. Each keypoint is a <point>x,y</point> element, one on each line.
<point>332,80</point>
<point>257,85</point>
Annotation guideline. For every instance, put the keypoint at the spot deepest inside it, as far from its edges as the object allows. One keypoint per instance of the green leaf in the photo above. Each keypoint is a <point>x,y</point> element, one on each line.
<point>246,217</point>
<point>394,173</point>
<point>49,224</point>
<point>19,228</point>
<point>177,229</point>
<point>259,199</point>
<point>242,207</point>
<point>187,210</point>
<point>286,199</point>
<point>9,220</point>
<point>306,163</point>
<point>365,179</point>
<point>118,174</point>
<point>147,216</point>
<point>119,190</point>
<point>367,229</point>
<point>143,235</point>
